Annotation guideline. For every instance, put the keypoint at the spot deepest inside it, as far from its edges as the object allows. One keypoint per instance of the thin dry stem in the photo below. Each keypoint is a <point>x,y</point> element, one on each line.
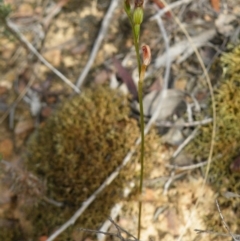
<point>186,142</point>
<point>186,124</point>
<point>223,221</point>
<point>235,237</point>
<point>189,167</point>
<point>117,235</point>
<point>200,231</point>
<point>102,32</point>
<point>18,99</point>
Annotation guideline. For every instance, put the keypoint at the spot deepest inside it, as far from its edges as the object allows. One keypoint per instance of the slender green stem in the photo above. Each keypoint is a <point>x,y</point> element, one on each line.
<point>141,71</point>
<point>140,97</point>
<point>136,44</point>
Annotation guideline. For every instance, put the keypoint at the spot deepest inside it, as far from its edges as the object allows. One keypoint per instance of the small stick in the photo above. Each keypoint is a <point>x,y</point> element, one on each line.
<point>102,32</point>
<point>172,178</point>
<point>200,231</point>
<point>118,234</point>
<point>186,124</point>
<point>122,229</point>
<point>168,59</point>
<point>190,167</point>
<point>114,213</point>
<point>186,141</point>
<point>223,221</point>
<point>21,95</point>
<point>15,31</point>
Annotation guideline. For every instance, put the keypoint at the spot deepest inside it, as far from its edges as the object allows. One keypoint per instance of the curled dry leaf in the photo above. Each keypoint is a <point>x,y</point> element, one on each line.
<point>170,100</point>
<point>223,24</point>
<point>180,51</point>
<point>182,159</point>
<point>24,126</point>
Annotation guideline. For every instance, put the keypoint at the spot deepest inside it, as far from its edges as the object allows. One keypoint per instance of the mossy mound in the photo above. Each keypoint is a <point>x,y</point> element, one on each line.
<point>227,142</point>
<point>77,148</point>
<point>11,233</point>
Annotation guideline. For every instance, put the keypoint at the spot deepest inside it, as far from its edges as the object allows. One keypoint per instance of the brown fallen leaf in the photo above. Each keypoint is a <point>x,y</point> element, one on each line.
<point>170,101</point>
<point>23,126</point>
<point>215,5</point>
<point>6,148</point>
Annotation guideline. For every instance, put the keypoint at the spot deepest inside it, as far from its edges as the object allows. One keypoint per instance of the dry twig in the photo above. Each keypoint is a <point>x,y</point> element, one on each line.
<point>186,124</point>
<point>200,231</point>
<point>106,225</point>
<point>102,32</point>
<point>235,237</point>
<point>186,141</point>
<point>224,223</point>
<point>3,117</point>
<point>190,167</point>
<point>15,31</point>
<point>117,235</point>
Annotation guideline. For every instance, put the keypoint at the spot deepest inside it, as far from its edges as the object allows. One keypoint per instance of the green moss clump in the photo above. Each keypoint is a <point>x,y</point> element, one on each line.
<point>75,151</point>
<point>11,233</point>
<point>227,142</point>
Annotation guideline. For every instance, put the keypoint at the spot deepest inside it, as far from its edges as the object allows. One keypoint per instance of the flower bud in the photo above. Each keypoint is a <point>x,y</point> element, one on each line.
<point>146,55</point>
<point>138,16</point>
<point>127,6</point>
